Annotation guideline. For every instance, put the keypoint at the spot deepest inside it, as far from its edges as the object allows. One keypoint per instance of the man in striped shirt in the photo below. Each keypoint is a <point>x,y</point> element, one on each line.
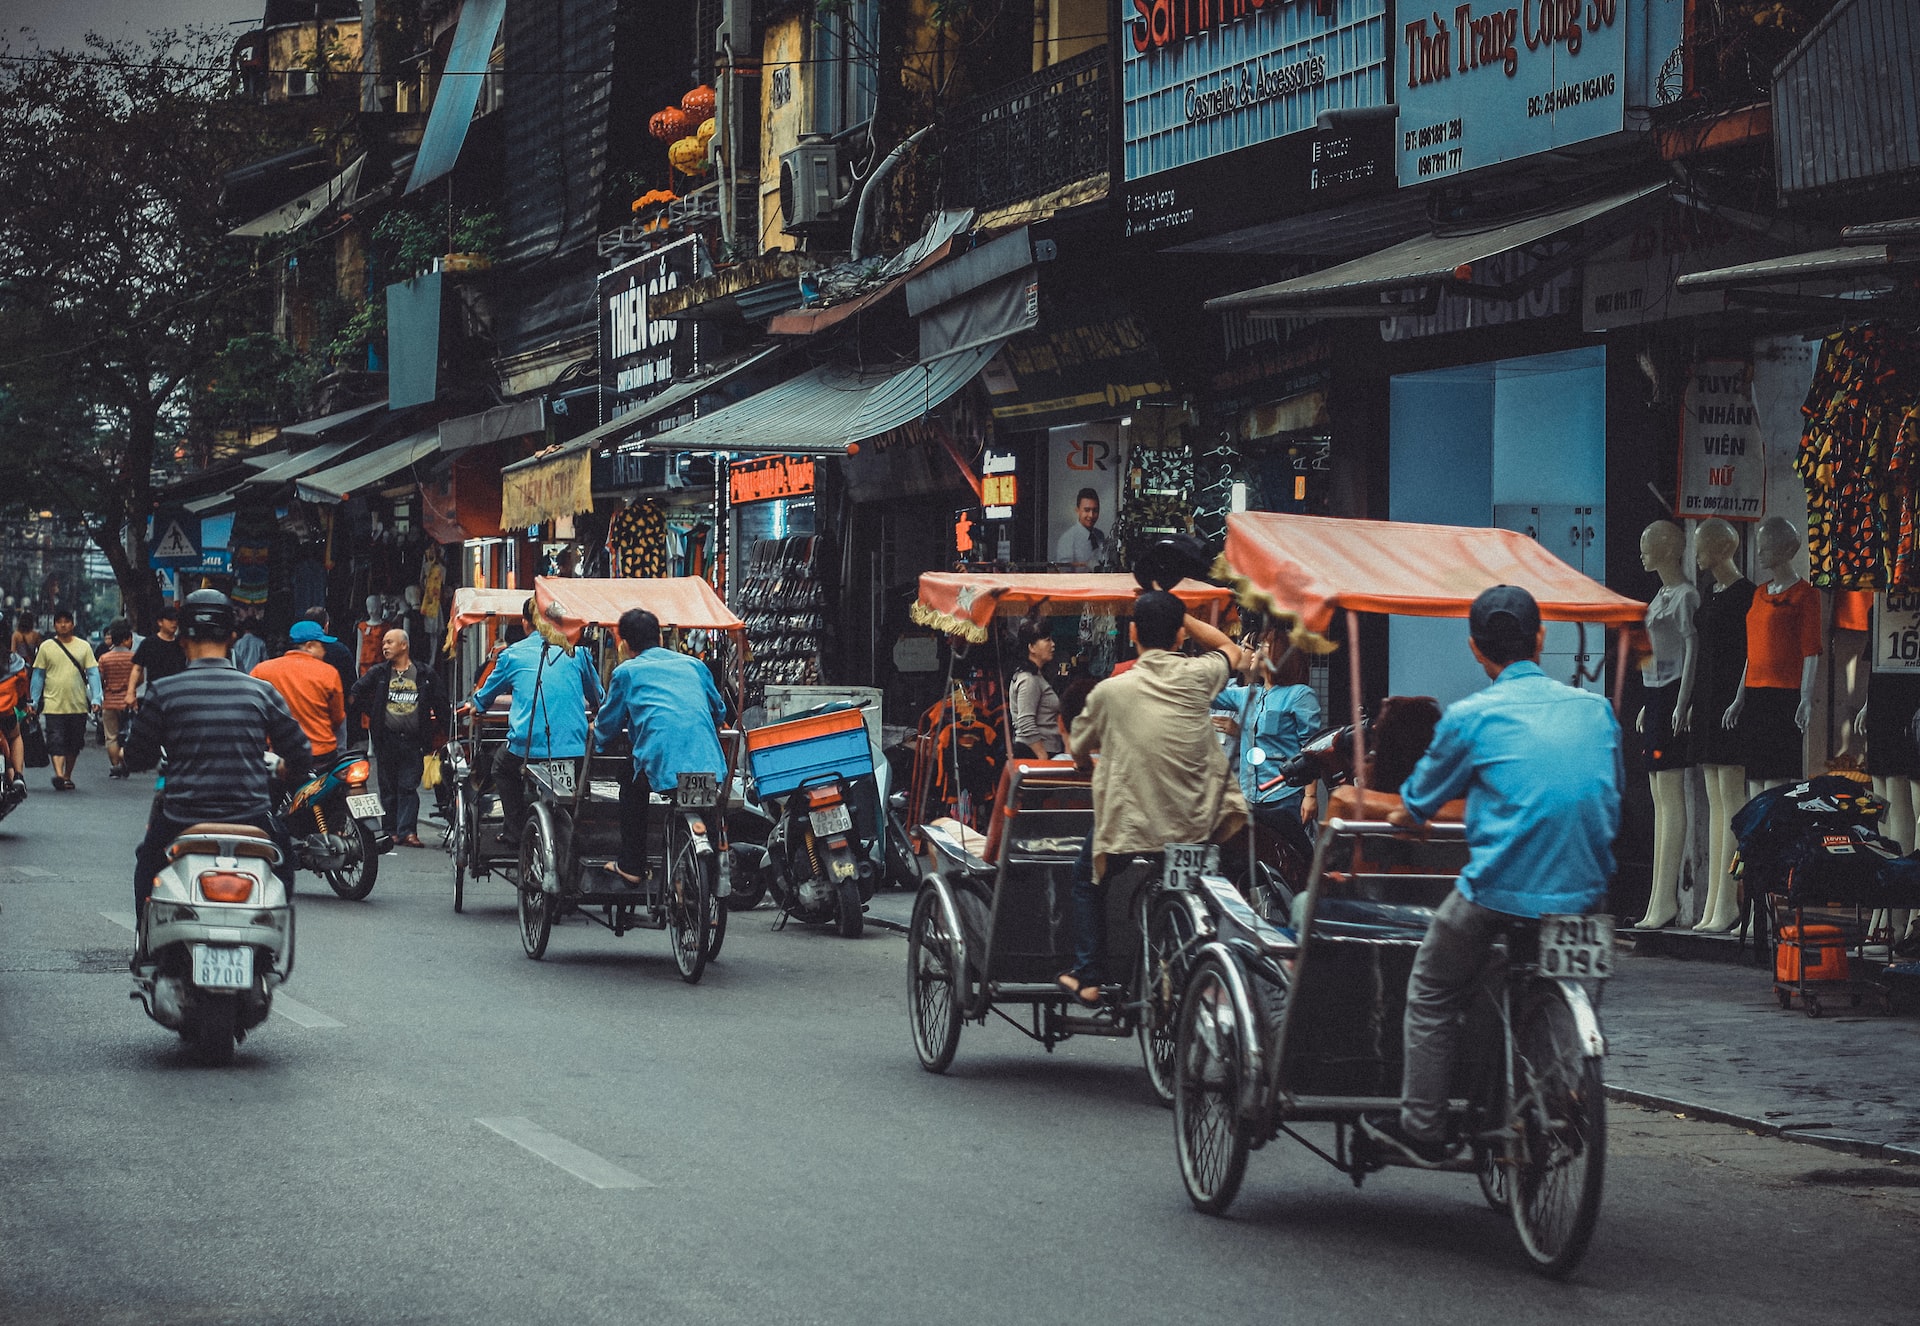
<point>216,725</point>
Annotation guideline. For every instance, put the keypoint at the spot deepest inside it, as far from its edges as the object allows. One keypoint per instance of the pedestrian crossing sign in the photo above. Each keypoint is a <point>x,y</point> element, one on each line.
<point>176,540</point>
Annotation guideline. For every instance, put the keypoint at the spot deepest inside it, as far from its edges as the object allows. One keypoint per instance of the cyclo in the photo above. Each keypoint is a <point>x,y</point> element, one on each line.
<point>473,629</point>
<point>990,926</point>
<point>573,814</point>
<point>1280,1028</point>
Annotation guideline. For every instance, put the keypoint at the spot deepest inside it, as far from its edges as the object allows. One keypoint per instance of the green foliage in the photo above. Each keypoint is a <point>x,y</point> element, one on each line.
<point>407,239</point>
<point>366,324</point>
<point>477,232</point>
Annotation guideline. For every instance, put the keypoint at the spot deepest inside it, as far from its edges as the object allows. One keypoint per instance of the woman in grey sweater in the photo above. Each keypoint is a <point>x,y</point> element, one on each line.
<point>1031,699</point>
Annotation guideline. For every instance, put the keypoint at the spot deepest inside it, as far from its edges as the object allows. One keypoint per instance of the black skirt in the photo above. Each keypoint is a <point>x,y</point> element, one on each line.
<point>1892,698</point>
<point>1772,748</point>
<point>1658,744</point>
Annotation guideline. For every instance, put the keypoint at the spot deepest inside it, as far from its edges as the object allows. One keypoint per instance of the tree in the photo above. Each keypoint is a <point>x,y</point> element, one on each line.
<point>118,288</point>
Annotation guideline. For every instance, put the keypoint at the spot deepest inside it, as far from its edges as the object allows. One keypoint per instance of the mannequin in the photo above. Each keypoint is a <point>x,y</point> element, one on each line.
<point>1783,637</point>
<point>1884,724</point>
<point>1663,719</point>
<point>1721,630</point>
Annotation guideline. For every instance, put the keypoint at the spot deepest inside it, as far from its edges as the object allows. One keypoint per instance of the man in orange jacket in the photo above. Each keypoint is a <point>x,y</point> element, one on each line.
<point>310,686</point>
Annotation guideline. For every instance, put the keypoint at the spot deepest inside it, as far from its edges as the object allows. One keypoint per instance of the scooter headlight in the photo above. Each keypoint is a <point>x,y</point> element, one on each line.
<point>226,886</point>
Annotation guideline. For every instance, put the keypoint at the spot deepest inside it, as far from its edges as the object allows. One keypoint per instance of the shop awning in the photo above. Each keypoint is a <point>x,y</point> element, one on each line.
<point>826,409</point>
<point>458,91</point>
<point>917,257</point>
<point>1432,259</point>
<point>688,602</point>
<point>1314,565</point>
<point>473,604</point>
<point>965,603</point>
<point>291,216</point>
<point>534,492</point>
<point>518,419</point>
<point>327,423</point>
<point>342,481</point>
<point>1847,262</point>
<point>290,468</point>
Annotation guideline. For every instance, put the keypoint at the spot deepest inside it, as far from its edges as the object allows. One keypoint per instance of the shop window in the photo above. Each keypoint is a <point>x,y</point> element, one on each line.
<point>845,64</point>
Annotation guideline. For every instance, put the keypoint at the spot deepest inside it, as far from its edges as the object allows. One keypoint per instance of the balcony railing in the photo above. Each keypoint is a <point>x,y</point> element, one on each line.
<point>1031,136</point>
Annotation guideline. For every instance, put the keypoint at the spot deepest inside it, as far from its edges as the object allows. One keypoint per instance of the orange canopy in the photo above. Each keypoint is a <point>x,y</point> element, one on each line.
<point>1312,565</point>
<point>472,604</point>
<point>964,603</point>
<point>566,605</point>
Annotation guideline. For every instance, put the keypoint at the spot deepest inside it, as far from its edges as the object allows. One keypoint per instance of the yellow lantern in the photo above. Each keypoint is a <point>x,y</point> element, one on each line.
<point>689,156</point>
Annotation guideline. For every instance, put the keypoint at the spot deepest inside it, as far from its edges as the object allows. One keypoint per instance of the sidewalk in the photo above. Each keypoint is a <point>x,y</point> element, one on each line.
<point>1706,1038</point>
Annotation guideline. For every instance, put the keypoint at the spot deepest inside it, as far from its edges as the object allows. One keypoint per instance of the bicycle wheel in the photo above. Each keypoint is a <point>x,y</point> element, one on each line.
<point>536,904</point>
<point>934,982</point>
<point>687,893</point>
<point>1163,974</point>
<point>459,839</point>
<point>1207,1128</point>
<point>1559,1150</point>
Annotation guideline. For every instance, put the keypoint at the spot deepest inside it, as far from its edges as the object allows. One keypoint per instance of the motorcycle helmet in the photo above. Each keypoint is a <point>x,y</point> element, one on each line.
<point>1172,558</point>
<point>207,615</point>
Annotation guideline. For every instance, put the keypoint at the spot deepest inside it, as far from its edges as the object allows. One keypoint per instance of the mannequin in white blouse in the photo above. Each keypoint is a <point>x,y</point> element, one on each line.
<point>1714,546</point>
<point>1670,629</point>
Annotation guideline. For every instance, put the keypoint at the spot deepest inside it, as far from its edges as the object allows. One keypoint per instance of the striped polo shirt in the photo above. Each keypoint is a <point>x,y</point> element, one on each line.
<point>216,724</point>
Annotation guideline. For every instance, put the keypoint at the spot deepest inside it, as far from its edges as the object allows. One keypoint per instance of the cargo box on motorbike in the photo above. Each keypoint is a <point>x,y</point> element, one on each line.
<point>785,755</point>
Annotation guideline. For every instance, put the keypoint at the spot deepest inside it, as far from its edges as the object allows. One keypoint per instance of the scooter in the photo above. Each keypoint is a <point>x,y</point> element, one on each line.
<point>216,938</point>
<point>816,865</point>
<point>338,828</point>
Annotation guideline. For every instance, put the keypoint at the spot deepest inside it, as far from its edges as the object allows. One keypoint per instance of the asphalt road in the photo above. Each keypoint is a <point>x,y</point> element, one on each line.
<point>782,1158</point>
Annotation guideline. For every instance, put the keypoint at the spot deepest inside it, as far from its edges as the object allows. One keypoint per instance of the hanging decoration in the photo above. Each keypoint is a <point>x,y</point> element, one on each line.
<point>671,124</point>
<point>699,103</point>
<point>689,156</point>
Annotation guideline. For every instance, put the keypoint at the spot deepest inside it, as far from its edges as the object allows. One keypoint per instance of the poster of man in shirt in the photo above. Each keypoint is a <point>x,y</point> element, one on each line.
<point>1083,495</point>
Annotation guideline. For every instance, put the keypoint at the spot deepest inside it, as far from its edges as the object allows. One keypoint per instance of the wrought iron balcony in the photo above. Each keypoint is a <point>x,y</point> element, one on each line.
<point>1031,136</point>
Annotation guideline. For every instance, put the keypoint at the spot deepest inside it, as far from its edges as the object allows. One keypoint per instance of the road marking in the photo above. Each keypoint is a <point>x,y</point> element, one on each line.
<point>285,1005</point>
<point>298,1013</point>
<point>32,872</point>
<point>577,1161</point>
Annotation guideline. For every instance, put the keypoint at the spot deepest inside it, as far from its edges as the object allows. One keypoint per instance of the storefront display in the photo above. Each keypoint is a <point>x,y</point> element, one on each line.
<point>1860,460</point>
<point>1669,678</point>
<point>1720,632</point>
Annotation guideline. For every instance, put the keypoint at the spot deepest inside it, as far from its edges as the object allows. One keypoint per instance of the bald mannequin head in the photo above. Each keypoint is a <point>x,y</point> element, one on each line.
<point>1716,541</point>
<point>1662,547</point>
<point>395,648</point>
<point>1775,541</point>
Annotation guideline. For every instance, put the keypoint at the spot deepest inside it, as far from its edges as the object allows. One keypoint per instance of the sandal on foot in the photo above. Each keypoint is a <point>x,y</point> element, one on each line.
<point>1085,993</point>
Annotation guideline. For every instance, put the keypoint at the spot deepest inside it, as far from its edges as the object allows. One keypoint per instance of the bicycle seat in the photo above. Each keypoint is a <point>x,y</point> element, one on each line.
<point>959,844</point>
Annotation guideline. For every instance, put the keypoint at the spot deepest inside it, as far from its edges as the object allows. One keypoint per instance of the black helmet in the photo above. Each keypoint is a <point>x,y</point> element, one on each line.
<point>207,615</point>
<point>1172,558</point>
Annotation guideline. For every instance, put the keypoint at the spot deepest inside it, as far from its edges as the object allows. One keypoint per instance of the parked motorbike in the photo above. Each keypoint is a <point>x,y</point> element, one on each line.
<point>338,828</point>
<point>816,865</point>
<point>217,936</point>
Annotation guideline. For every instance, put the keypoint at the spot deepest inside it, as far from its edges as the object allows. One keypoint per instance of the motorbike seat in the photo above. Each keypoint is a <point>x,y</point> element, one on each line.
<point>256,842</point>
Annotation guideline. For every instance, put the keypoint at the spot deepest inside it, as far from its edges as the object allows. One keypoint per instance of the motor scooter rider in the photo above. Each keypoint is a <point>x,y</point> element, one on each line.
<point>1539,765</point>
<point>670,709</point>
<point>214,724</point>
<point>552,693</point>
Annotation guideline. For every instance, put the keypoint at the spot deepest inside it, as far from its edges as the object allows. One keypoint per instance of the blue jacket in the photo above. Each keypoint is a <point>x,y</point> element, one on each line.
<point>1277,719</point>
<point>668,706</point>
<point>551,691</point>
<point>1539,764</point>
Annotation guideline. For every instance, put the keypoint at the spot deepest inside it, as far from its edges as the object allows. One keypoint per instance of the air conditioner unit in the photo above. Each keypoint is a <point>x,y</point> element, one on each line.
<point>809,181</point>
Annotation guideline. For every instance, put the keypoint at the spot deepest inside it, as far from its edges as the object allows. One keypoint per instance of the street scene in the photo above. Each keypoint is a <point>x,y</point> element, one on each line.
<point>861,661</point>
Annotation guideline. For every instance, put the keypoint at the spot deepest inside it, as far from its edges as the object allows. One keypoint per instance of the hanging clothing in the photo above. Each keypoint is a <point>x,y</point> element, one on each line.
<point>1720,633</point>
<point>1858,461</point>
<point>637,540</point>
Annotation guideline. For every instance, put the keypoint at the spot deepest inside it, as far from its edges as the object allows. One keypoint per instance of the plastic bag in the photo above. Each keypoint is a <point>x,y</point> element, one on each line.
<point>430,771</point>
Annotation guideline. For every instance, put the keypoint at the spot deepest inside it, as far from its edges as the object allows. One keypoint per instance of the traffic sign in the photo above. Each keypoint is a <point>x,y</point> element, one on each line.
<point>176,539</point>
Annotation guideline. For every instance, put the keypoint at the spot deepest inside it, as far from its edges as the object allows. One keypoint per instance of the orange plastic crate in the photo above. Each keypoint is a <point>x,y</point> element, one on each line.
<point>1819,954</point>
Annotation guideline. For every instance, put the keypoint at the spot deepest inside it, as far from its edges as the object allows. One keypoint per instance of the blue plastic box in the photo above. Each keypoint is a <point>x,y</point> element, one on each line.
<point>800,750</point>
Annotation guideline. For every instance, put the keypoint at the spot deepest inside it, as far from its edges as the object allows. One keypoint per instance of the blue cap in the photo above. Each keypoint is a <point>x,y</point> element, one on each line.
<point>303,633</point>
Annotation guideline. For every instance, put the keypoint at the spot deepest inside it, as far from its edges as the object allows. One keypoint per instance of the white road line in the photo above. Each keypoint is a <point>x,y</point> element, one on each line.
<point>577,1161</point>
<point>287,1007</point>
<point>296,1012</point>
<point>32,872</point>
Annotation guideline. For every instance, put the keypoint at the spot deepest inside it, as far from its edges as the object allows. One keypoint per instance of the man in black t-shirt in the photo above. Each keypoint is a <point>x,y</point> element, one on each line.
<point>159,655</point>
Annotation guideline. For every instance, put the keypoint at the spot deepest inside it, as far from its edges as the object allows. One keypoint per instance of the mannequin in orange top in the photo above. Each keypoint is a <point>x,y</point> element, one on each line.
<point>1775,700</point>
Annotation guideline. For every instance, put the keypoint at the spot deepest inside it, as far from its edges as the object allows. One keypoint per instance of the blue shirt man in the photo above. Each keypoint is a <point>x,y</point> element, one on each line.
<point>1539,766</point>
<point>669,708</point>
<point>551,692</point>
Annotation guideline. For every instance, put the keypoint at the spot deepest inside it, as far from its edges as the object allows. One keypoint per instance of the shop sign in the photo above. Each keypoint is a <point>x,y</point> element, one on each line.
<point>640,355</point>
<point>1456,312</point>
<point>559,487</point>
<point>999,485</point>
<point>1896,631</point>
<point>770,477</point>
<point>1089,367</point>
<point>1217,93</point>
<point>1482,82</point>
<point>1722,454</point>
<point>1631,282</point>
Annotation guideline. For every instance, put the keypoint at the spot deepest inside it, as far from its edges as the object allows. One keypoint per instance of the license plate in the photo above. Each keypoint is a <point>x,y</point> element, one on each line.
<point>1576,947</point>
<point>365,806</point>
<point>697,791</point>
<point>557,774</point>
<point>1186,862</point>
<point>220,967</point>
<point>834,819</point>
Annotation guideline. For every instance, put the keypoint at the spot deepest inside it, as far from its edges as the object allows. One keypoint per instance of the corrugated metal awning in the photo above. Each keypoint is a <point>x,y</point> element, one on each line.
<point>342,481</point>
<point>292,467</point>
<point>459,90</point>
<point>1846,100</point>
<point>326,423</point>
<point>1848,262</point>
<point>291,216</point>
<point>1426,260</point>
<point>496,425</point>
<point>913,392</point>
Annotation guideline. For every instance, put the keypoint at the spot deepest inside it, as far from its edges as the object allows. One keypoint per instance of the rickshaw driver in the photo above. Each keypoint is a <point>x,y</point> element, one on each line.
<point>552,692</point>
<point>1539,764</point>
<point>1162,777</point>
<point>671,711</point>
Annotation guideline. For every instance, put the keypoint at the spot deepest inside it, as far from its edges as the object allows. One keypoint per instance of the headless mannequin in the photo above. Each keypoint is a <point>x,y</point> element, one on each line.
<point>1662,550</point>
<point>1776,542</point>
<point>1714,546</point>
<point>1901,792</point>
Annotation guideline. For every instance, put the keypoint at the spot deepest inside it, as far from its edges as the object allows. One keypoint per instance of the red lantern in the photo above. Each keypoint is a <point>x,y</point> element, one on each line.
<point>698,103</point>
<point>671,124</point>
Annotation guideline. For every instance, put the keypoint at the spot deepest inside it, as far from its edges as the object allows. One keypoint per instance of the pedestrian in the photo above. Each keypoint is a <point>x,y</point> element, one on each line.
<point>338,656</point>
<point>116,669</point>
<point>26,638</point>
<point>551,691</point>
<point>15,681</point>
<point>1274,712</point>
<point>310,688</point>
<point>66,689</point>
<point>1540,767</point>
<point>406,709</point>
<point>1032,703</point>
<point>249,650</point>
<point>158,656</point>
